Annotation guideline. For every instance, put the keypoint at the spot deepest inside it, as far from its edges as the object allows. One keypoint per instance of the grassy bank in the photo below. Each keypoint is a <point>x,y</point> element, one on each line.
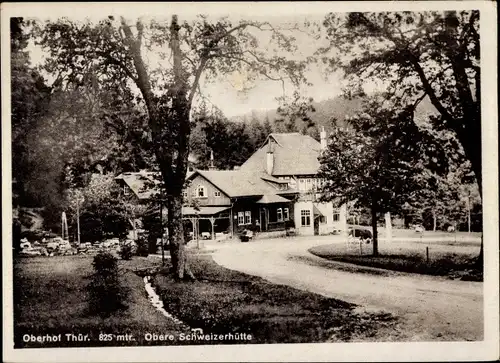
<point>51,298</point>
<point>453,263</point>
<point>224,301</point>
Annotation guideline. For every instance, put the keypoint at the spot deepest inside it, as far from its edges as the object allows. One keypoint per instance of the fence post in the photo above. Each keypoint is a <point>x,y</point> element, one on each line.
<point>427,254</point>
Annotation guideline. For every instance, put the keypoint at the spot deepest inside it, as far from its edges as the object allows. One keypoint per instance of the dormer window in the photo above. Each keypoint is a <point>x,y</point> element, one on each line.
<point>217,193</point>
<point>126,190</point>
<point>201,191</point>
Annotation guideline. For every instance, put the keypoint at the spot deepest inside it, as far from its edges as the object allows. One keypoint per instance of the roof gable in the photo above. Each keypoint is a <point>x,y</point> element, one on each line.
<point>294,154</point>
<point>239,183</point>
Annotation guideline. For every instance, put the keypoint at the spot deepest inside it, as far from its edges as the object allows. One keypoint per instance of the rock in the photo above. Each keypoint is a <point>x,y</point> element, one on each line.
<point>30,252</point>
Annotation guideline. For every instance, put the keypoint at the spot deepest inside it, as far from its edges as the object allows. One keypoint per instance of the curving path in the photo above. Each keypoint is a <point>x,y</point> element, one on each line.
<point>430,308</point>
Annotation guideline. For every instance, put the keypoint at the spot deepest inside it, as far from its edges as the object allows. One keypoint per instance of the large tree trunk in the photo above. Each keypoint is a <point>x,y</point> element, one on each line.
<point>180,266</point>
<point>434,220</point>
<point>152,242</point>
<point>374,227</point>
<point>170,128</point>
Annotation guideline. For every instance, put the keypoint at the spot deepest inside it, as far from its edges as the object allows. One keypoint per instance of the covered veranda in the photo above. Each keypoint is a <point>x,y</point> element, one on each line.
<point>207,222</point>
<point>268,217</point>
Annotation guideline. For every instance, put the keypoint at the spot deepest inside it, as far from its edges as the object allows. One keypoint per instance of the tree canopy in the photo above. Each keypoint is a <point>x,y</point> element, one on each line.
<point>116,51</point>
<point>382,160</point>
<point>412,56</point>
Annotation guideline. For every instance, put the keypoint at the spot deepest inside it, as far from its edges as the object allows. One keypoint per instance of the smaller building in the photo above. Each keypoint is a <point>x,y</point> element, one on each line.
<point>239,200</point>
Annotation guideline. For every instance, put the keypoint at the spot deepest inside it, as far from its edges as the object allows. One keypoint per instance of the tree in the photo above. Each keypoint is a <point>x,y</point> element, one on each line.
<point>416,55</point>
<point>102,214</point>
<point>374,163</point>
<point>114,50</point>
<point>29,99</point>
<point>295,114</point>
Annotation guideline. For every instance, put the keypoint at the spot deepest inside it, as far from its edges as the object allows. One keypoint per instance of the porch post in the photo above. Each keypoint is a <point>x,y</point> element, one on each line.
<point>231,227</point>
<point>212,221</point>
<point>260,219</point>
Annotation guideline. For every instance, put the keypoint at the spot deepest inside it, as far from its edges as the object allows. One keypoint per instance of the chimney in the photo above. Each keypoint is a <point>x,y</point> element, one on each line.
<point>212,166</point>
<point>270,158</point>
<point>324,140</point>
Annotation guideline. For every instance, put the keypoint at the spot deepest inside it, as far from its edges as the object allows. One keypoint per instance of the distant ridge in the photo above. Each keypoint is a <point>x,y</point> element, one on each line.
<point>326,110</point>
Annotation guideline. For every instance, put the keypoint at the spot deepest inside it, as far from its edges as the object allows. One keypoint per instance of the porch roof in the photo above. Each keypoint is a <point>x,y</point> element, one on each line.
<point>317,212</point>
<point>272,198</point>
<point>203,211</point>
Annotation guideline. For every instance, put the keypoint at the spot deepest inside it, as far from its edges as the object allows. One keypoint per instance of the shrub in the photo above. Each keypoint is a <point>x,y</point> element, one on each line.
<point>126,252</point>
<point>142,246</point>
<point>106,295</point>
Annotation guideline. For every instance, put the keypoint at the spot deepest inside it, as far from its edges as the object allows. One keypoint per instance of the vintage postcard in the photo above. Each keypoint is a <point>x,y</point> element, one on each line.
<point>250,181</point>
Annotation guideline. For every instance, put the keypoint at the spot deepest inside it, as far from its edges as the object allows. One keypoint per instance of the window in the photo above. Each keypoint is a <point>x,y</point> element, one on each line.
<point>248,217</point>
<point>185,194</point>
<point>241,218</point>
<point>305,216</point>
<point>217,193</point>
<point>201,192</point>
<point>336,217</point>
<point>126,190</point>
<point>286,214</point>
<point>279,214</point>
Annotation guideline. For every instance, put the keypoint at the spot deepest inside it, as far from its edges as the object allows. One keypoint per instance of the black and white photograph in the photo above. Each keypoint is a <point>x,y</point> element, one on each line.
<point>255,181</point>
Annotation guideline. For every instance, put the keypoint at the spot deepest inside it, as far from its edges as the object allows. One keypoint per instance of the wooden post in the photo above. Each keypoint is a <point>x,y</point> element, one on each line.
<point>260,219</point>
<point>78,220</point>
<point>427,254</point>
<point>231,222</point>
<point>468,212</point>
<point>197,233</point>
<point>212,221</point>
<point>161,231</point>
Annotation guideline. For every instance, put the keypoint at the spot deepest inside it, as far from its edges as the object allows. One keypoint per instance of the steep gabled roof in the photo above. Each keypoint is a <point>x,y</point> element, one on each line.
<point>144,183</point>
<point>294,154</point>
<point>239,183</point>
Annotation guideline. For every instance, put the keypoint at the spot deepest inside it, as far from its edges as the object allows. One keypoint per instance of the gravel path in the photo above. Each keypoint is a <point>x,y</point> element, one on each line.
<point>430,308</point>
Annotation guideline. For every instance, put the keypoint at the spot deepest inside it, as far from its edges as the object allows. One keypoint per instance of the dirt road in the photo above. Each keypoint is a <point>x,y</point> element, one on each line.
<point>430,308</point>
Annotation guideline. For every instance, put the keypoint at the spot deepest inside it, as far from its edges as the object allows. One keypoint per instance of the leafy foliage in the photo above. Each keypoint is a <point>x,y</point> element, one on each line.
<point>381,161</point>
<point>106,295</point>
<point>142,246</point>
<point>126,251</point>
<point>412,56</point>
<point>102,213</point>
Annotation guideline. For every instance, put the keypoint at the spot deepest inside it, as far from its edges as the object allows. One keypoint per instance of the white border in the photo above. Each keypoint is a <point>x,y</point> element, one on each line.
<point>461,351</point>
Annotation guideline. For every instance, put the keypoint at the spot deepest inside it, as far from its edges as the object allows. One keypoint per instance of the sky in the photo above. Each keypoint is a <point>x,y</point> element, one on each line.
<point>226,93</point>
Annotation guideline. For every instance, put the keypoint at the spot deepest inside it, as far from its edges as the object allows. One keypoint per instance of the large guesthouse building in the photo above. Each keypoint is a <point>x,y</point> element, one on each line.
<point>274,190</point>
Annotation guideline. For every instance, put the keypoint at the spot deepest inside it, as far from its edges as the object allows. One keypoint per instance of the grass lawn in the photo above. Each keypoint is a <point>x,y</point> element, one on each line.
<point>454,261</point>
<point>50,298</point>
<point>223,301</point>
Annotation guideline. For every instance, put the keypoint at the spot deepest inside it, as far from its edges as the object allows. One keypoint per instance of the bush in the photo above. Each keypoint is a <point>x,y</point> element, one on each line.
<point>142,246</point>
<point>126,252</point>
<point>106,295</point>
